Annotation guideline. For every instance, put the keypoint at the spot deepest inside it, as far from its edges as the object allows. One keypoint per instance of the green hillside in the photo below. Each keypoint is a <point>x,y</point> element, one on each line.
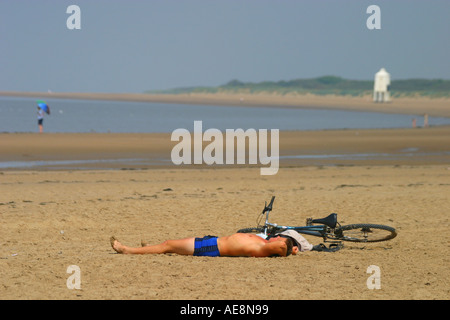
<point>327,85</point>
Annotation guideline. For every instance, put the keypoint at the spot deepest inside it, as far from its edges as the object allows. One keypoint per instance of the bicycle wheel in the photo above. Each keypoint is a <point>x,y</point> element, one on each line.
<point>251,230</point>
<point>364,232</point>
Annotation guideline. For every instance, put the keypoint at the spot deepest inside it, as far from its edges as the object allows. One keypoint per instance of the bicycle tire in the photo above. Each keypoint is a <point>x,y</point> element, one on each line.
<point>251,230</point>
<point>364,232</point>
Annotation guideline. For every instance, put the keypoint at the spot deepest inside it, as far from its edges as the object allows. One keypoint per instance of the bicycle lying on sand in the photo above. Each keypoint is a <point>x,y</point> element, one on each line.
<point>328,228</point>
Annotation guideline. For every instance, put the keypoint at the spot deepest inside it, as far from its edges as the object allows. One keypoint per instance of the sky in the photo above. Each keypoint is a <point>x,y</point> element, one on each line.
<point>137,45</point>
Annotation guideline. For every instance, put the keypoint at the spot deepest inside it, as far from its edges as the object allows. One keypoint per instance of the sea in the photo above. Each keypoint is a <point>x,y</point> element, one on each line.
<point>19,114</point>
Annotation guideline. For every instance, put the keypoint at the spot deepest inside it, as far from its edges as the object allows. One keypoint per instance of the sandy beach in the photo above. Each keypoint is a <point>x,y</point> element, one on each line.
<point>53,219</point>
<point>60,214</point>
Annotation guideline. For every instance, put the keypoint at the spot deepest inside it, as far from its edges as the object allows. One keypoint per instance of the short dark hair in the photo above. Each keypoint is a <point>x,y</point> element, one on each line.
<point>290,245</point>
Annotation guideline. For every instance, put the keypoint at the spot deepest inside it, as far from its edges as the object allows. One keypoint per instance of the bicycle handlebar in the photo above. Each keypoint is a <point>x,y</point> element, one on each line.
<point>268,207</point>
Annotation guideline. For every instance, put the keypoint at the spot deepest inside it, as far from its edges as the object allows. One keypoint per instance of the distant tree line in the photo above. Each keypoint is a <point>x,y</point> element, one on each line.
<point>327,85</point>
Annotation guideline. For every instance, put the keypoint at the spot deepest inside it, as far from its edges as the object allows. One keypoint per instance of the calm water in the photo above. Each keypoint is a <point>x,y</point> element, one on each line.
<point>19,115</point>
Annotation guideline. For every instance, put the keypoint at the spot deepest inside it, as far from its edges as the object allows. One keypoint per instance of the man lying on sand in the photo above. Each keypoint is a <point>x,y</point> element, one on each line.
<point>236,245</point>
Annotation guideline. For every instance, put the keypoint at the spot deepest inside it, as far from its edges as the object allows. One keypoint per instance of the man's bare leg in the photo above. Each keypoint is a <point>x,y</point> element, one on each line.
<point>181,246</point>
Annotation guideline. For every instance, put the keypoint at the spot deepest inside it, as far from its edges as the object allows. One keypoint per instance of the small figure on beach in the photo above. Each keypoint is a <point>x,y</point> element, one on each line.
<point>236,245</point>
<point>41,108</point>
<point>40,118</point>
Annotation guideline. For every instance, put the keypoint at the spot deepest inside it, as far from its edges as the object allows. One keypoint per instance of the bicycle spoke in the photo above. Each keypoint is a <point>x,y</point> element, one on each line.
<point>366,233</point>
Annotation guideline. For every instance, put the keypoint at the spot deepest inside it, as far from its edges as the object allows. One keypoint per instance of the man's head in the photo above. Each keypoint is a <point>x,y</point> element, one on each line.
<point>299,241</point>
<point>290,243</point>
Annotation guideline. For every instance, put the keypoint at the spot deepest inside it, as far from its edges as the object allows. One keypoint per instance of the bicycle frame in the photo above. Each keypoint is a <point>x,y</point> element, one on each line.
<point>317,231</point>
<point>328,228</point>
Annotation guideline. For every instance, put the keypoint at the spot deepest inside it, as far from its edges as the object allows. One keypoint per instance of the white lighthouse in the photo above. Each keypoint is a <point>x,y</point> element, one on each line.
<point>381,86</point>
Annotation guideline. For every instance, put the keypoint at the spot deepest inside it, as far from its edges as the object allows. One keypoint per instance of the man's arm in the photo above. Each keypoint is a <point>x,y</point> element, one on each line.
<point>270,249</point>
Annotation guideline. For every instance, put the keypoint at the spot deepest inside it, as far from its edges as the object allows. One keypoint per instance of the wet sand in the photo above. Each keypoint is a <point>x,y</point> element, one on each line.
<point>52,219</point>
<point>296,148</point>
<point>435,107</point>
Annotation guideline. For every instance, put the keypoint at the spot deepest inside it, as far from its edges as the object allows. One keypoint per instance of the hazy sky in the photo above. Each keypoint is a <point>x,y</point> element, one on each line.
<point>133,46</point>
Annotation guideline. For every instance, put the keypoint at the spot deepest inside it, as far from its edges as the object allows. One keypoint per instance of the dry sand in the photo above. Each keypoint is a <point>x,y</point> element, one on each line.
<point>52,219</point>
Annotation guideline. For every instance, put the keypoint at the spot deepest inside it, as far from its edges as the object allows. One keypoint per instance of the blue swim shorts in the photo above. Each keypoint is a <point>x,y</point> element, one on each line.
<point>206,246</point>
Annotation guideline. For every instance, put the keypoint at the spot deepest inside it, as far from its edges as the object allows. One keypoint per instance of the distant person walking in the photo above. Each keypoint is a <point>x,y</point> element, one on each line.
<point>40,118</point>
<point>42,107</point>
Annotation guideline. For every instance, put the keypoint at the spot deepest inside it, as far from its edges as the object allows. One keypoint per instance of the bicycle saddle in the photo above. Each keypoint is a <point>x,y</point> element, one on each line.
<point>330,221</point>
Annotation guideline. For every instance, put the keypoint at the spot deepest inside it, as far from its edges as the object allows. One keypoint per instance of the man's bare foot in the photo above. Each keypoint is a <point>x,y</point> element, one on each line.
<point>116,245</point>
